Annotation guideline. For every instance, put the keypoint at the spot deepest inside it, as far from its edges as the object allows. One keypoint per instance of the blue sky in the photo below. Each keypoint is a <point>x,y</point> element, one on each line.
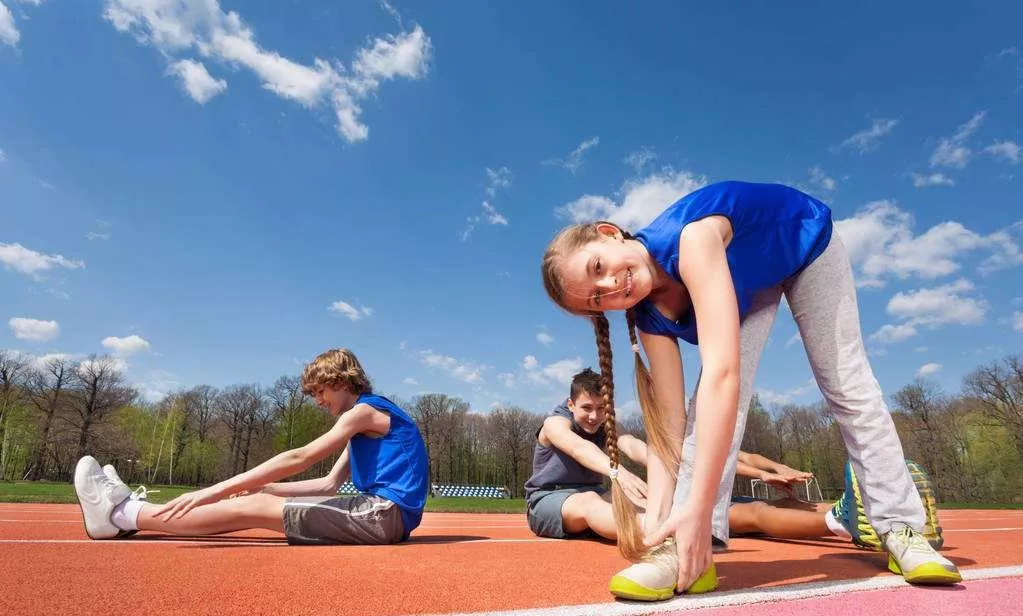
<point>215,192</point>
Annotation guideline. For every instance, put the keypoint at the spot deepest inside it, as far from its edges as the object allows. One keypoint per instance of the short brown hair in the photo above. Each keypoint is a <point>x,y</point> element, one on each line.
<point>336,368</point>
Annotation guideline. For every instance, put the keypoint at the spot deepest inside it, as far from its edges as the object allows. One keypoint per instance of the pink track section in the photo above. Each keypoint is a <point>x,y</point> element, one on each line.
<point>977,598</point>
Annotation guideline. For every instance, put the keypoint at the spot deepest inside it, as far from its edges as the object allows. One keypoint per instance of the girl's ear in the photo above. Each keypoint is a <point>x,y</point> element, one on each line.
<point>609,230</point>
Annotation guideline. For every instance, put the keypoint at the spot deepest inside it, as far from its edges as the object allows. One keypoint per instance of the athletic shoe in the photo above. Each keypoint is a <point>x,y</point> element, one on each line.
<point>655,577</point>
<point>911,556</point>
<point>924,487</point>
<point>849,511</point>
<point>140,493</point>
<point>97,496</point>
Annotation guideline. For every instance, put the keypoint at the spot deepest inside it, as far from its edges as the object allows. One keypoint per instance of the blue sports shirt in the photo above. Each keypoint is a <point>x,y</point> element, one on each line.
<point>776,232</point>
<point>393,466</point>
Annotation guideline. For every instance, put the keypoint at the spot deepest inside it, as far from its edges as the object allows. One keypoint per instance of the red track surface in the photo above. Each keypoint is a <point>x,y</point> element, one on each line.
<point>454,563</point>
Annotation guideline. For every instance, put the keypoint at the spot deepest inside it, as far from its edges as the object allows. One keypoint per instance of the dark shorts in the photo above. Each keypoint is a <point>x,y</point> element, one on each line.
<point>361,519</point>
<point>543,511</point>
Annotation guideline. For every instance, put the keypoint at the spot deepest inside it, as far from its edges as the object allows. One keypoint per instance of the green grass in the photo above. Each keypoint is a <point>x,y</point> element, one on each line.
<point>57,492</point>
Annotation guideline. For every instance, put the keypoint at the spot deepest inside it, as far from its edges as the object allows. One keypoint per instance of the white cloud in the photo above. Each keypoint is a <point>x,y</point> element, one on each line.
<point>794,339</point>
<point>157,385</point>
<point>643,200</point>
<point>639,159</point>
<point>769,396</point>
<point>507,379</point>
<point>881,243</point>
<point>928,369</point>
<point>868,138</point>
<point>490,215</point>
<point>563,371</point>
<point>3,156</point>
<point>530,362</point>
<point>462,370</point>
<point>91,235</point>
<point>574,161</point>
<point>818,177</point>
<point>345,309</point>
<point>942,305</point>
<point>26,261</point>
<point>126,346</point>
<point>894,333</point>
<point>197,81</point>
<point>934,179</point>
<point>1008,151</point>
<point>410,381</point>
<point>499,178</point>
<point>202,27</point>
<point>952,151</point>
<point>116,364</point>
<point>1017,321</point>
<point>34,330</point>
<point>920,349</point>
<point>8,31</point>
<point>544,338</point>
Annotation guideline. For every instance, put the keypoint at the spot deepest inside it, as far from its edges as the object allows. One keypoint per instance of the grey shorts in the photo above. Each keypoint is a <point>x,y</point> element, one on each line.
<point>543,511</point>
<point>361,519</point>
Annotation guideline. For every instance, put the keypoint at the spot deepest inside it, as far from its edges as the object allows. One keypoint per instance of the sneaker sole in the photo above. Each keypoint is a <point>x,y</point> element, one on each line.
<point>927,573</point>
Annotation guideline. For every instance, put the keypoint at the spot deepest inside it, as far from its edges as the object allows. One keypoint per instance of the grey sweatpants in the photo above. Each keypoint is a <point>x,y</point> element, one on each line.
<point>823,302</point>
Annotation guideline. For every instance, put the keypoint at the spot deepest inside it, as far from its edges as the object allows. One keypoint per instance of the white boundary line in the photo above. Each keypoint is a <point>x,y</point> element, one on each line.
<point>739,597</point>
<point>424,540</point>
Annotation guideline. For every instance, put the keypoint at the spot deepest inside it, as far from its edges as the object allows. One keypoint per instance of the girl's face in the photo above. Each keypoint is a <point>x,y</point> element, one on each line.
<point>610,273</point>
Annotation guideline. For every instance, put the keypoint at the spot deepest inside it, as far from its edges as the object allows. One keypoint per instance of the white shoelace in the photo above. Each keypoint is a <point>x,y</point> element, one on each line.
<point>142,493</point>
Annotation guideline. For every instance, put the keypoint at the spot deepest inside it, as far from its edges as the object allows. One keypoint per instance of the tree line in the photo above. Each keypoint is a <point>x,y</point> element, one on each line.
<point>55,410</point>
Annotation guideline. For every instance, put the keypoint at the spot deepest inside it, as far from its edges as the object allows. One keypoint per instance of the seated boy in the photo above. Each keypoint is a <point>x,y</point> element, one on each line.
<point>380,446</point>
<point>566,498</point>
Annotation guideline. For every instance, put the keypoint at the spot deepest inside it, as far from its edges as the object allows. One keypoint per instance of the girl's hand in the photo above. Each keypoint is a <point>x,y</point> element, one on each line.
<point>692,539</point>
<point>186,502</point>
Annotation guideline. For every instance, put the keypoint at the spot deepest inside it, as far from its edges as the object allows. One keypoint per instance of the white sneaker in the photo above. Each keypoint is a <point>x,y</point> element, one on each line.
<point>97,496</point>
<point>655,577</point>
<point>911,556</point>
<point>140,493</point>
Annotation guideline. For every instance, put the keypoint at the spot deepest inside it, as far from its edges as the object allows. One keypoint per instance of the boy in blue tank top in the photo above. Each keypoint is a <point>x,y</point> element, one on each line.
<point>711,270</point>
<point>381,451</point>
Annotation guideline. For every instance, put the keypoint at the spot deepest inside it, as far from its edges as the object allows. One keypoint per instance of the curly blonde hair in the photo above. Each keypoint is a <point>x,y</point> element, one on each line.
<point>336,368</point>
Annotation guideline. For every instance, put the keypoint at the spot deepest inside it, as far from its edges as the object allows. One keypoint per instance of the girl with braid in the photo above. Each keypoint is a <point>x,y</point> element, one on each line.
<point>711,270</point>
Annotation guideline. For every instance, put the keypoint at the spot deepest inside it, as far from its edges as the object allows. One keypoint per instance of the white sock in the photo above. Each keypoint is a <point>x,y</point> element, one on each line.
<point>126,515</point>
<point>835,526</point>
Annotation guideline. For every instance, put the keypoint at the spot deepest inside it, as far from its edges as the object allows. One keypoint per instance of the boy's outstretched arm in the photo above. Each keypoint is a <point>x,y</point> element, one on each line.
<point>558,431</point>
<point>321,486</point>
<point>362,418</point>
<point>767,470</point>
<point>632,447</point>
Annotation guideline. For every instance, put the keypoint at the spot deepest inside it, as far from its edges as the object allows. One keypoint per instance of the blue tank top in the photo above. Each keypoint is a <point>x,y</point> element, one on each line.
<point>776,232</point>
<point>552,467</point>
<point>393,466</point>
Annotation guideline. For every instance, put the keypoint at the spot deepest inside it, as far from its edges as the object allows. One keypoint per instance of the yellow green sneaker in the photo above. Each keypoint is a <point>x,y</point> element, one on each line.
<point>849,511</point>
<point>912,557</point>
<point>924,487</point>
<point>655,577</point>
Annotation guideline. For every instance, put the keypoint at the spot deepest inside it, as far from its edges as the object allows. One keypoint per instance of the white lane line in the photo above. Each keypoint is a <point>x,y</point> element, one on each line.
<point>422,540</point>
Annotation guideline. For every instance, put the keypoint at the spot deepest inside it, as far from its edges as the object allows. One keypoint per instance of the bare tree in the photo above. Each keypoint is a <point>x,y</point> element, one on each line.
<point>100,390</point>
<point>46,389</point>
<point>513,432</point>
<point>999,389</point>
<point>286,400</point>
<point>239,407</point>
<point>13,372</point>
<point>430,412</point>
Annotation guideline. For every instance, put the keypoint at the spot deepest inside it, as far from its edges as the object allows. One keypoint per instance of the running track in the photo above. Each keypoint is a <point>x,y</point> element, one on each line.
<point>466,563</point>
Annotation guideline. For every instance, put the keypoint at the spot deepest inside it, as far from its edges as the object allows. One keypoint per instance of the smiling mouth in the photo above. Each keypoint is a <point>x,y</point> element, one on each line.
<point>628,282</point>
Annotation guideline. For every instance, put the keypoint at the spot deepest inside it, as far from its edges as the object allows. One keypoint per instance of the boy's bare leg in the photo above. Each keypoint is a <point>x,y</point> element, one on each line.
<point>242,513</point>
<point>589,510</point>
<point>778,522</point>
